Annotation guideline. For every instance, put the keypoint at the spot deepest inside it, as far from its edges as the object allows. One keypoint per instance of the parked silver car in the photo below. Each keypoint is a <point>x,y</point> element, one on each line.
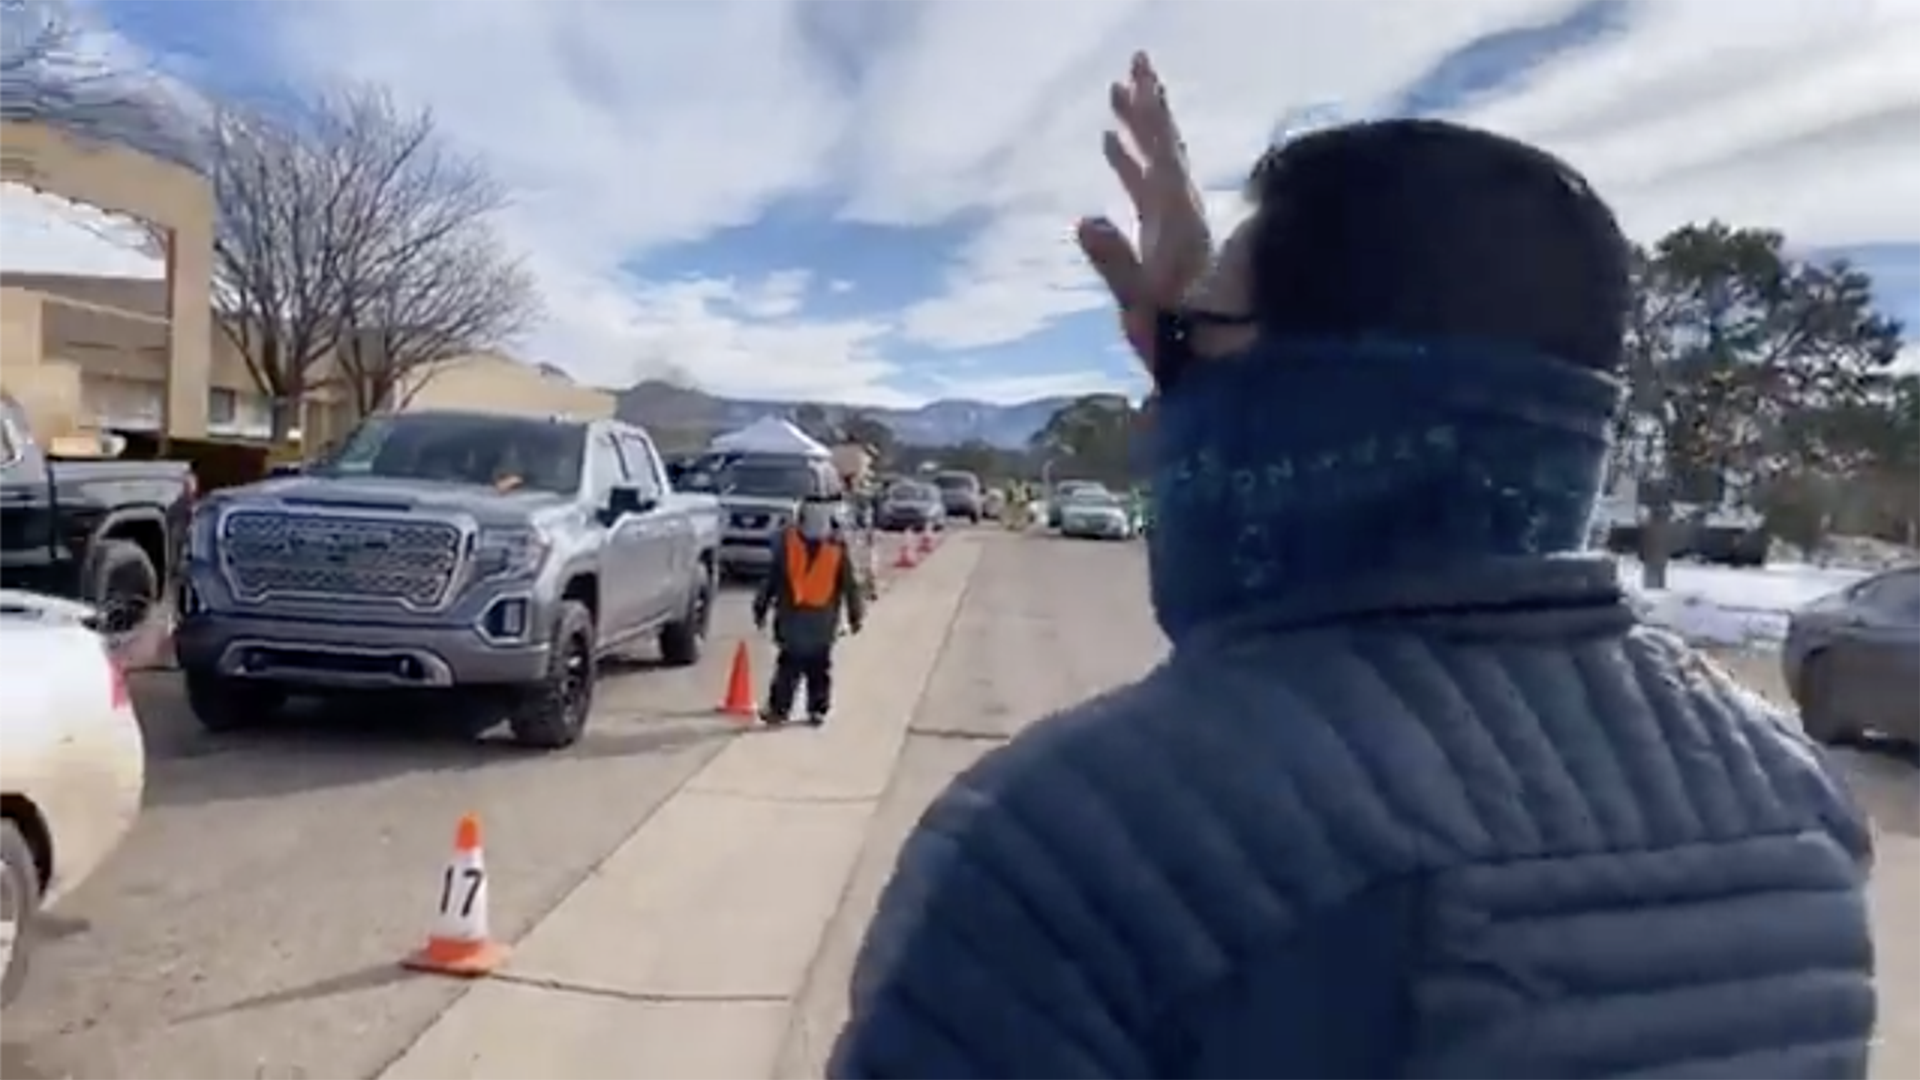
<point>1852,659</point>
<point>1098,515</point>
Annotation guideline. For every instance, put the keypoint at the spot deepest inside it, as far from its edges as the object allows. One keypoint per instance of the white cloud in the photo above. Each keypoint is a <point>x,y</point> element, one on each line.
<point>742,339</point>
<point>627,129</point>
<point>1800,114</point>
<point>45,233</point>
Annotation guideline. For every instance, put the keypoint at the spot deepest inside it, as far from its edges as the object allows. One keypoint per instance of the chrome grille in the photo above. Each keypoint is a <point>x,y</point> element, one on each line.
<point>268,553</point>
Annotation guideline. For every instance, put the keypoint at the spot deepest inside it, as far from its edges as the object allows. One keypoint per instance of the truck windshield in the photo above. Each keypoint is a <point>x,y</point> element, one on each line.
<point>957,482</point>
<point>765,479</point>
<point>502,451</point>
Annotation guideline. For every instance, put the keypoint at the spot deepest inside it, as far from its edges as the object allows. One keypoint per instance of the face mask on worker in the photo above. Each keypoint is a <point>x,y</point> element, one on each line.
<point>815,521</point>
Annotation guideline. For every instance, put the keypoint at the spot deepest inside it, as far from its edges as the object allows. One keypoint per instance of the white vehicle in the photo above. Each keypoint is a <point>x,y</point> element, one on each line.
<point>72,763</point>
<point>1095,513</point>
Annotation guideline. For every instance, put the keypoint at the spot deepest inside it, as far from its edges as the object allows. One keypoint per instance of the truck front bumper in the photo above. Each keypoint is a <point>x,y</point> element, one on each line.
<point>751,554</point>
<point>332,655</point>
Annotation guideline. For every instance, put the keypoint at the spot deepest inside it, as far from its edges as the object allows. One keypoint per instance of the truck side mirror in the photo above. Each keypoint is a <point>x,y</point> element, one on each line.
<point>627,499</point>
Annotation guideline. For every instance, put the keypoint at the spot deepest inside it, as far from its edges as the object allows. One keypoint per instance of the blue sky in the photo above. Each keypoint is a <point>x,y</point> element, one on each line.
<point>872,200</point>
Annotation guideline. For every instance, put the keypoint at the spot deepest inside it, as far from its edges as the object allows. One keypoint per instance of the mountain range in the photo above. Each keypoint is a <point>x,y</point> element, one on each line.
<point>667,409</point>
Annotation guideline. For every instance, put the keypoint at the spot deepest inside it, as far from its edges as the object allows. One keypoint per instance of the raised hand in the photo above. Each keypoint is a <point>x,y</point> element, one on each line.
<point>1173,248</point>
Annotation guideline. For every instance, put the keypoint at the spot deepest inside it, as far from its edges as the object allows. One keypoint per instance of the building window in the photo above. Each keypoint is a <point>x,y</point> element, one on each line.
<point>123,404</point>
<point>223,407</point>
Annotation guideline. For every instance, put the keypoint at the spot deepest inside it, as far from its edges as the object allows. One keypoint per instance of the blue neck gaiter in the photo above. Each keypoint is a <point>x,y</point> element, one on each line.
<point>1304,465</point>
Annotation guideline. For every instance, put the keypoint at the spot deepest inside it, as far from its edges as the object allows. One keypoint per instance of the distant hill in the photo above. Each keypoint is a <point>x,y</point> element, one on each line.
<point>677,414</point>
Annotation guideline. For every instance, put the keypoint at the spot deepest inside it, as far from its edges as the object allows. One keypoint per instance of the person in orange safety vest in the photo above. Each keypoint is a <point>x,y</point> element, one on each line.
<point>809,584</point>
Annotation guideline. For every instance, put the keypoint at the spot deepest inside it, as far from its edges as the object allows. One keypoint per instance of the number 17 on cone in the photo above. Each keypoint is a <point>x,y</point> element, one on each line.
<point>460,942</point>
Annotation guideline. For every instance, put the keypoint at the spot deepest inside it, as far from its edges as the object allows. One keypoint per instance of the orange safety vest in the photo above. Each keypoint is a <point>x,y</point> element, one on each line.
<point>812,584</point>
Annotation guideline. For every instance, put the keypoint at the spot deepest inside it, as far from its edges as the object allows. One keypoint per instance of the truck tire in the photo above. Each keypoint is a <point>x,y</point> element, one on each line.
<point>684,639</point>
<point>225,704</point>
<point>122,582</point>
<point>551,713</point>
<point>19,905</point>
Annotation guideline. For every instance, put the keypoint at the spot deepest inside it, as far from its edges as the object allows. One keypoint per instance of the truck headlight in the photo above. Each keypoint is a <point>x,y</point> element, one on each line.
<point>509,553</point>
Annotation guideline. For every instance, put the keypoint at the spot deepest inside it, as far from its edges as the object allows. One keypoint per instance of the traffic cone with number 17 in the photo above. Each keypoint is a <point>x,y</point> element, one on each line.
<point>460,943</point>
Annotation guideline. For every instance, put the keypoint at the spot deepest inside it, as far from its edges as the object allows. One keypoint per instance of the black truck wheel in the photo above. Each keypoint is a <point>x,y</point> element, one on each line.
<point>552,713</point>
<point>684,639</point>
<point>122,582</point>
<point>224,704</point>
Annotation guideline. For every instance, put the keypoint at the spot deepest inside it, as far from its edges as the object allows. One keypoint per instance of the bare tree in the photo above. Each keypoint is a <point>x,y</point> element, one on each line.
<point>351,231</point>
<point>430,280</point>
<point>277,248</point>
<point>49,75</point>
<point>450,296</point>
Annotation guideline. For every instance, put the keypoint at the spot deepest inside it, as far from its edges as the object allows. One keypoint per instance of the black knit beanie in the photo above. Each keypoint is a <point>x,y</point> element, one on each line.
<point>1427,230</point>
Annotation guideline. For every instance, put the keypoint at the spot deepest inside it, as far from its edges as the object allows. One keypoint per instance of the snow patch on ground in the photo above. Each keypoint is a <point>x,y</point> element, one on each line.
<point>1723,605</point>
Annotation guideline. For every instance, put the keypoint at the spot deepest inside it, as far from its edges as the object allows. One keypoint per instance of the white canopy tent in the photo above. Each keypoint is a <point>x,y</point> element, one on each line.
<point>770,435</point>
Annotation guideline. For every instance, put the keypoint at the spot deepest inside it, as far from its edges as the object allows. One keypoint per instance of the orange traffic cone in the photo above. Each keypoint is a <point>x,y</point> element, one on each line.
<point>926,541</point>
<point>903,559</point>
<point>460,943</point>
<point>739,700</point>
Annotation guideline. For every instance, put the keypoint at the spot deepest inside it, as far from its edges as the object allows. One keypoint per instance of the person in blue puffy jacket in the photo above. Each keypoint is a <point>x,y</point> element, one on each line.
<point>1416,793</point>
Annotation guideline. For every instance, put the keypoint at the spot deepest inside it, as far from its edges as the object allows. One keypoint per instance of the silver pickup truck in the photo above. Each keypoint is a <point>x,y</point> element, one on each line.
<point>494,556</point>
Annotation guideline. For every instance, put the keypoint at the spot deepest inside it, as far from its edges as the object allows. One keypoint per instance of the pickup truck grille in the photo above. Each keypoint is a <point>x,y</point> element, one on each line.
<point>268,553</point>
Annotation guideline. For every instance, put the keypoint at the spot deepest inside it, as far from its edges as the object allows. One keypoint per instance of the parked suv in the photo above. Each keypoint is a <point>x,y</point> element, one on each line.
<point>759,494</point>
<point>494,555</point>
<point>961,494</point>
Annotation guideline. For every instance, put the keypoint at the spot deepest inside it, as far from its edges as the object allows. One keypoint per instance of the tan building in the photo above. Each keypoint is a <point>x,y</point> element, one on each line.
<point>99,345</point>
<point>107,336</point>
<point>144,355</point>
<point>173,199</point>
<point>489,382</point>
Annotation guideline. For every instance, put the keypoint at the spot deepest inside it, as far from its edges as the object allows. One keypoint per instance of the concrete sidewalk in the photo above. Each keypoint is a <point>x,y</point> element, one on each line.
<point>682,955</point>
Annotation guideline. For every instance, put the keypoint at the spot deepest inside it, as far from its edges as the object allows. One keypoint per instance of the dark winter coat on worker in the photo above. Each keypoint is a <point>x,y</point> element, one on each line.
<point>809,627</point>
<point>1416,793</point>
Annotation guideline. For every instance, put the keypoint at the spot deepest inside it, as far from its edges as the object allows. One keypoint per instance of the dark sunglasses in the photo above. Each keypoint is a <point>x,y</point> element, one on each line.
<point>1173,352</point>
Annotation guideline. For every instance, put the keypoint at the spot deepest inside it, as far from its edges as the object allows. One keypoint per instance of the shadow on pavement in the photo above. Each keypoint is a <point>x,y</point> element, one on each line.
<point>1884,777</point>
<point>366,978</point>
<point>304,752</point>
<point>346,742</point>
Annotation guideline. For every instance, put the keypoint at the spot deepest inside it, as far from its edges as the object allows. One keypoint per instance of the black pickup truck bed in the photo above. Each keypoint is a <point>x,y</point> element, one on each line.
<point>106,532</point>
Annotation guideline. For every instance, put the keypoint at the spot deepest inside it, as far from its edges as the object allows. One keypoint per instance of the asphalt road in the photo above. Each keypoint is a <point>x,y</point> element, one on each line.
<point>1045,623</point>
<point>251,925</point>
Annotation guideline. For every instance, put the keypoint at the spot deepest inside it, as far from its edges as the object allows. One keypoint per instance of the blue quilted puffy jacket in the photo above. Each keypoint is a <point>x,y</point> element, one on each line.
<point>1415,794</point>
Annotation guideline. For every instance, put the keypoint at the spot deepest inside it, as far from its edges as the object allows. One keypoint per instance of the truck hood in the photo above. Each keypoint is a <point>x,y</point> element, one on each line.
<point>390,495</point>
